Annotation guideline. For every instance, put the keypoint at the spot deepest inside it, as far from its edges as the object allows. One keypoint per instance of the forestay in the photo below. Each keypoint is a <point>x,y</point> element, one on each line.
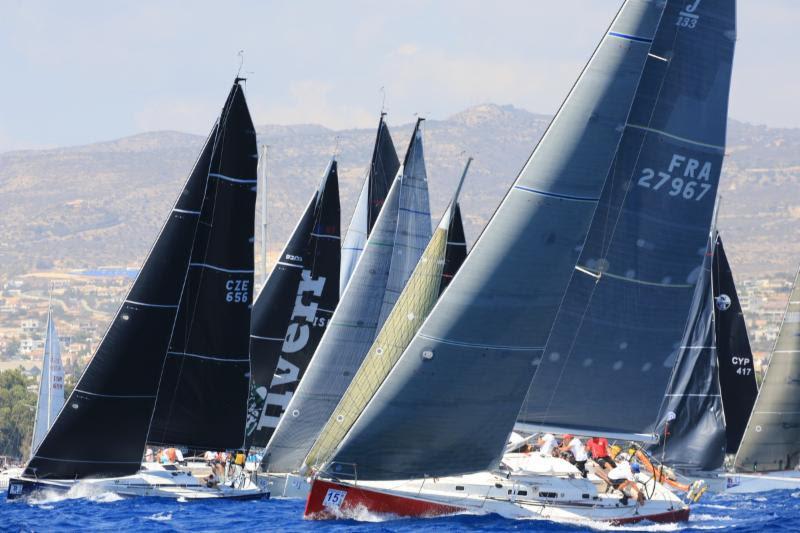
<point>51,384</point>
<point>695,439</point>
<point>380,174</point>
<point>202,395</point>
<point>292,310</point>
<point>401,225</point>
<point>450,402</point>
<point>619,331</point>
<point>111,405</point>
<point>736,373</point>
<point>772,438</point>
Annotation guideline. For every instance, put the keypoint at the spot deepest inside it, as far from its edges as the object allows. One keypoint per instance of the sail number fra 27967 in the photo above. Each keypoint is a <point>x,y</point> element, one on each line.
<point>685,178</point>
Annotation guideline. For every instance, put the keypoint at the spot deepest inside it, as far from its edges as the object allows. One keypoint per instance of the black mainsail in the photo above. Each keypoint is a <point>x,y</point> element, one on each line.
<point>456,251</point>
<point>293,308</point>
<point>202,395</point>
<point>103,428</point>
<point>382,170</point>
<point>737,376</point>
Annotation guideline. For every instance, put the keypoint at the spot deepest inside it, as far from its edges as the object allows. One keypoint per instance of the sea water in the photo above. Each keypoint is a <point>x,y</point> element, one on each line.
<point>765,512</point>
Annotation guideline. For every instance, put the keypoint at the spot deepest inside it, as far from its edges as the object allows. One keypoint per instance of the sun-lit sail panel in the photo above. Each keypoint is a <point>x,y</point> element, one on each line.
<point>51,385</point>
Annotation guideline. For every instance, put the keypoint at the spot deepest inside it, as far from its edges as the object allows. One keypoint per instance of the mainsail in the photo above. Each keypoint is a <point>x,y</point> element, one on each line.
<point>392,251</point>
<point>103,428</point>
<point>202,395</point>
<point>772,438</point>
<point>695,439</point>
<point>451,400</point>
<point>412,307</point>
<point>51,385</point>
<point>619,331</point>
<point>456,251</point>
<point>292,310</point>
<point>383,167</point>
<point>735,359</point>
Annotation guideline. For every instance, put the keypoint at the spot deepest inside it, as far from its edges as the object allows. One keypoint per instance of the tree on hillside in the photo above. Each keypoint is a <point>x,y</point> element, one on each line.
<point>17,411</point>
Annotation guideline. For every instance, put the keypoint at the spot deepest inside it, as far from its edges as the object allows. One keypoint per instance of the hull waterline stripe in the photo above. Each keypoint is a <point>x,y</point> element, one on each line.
<point>488,346</point>
<point>210,358</point>
<point>213,267</point>
<point>121,396</point>
<point>634,38</point>
<point>557,195</point>
<point>165,306</point>
<point>228,178</point>
<point>677,137</point>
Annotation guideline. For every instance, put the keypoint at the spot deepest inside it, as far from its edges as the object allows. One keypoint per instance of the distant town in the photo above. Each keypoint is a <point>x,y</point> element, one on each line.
<point>84,302</point>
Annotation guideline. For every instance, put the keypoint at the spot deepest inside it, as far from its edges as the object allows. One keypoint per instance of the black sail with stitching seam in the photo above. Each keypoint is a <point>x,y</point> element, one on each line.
<point>102,430</point>
<point>293,308</point>
<point>456,250</point>
<point>202,399</point>
<point>736,374</point>
<point>383,168</point>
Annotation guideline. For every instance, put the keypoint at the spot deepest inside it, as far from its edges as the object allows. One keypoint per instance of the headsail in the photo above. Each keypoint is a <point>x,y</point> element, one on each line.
<point>412,307</point>
<point>51,385</point>
<point>103,428</point>
<point>695,439</point>
<point>435,415</point>
<point>403,225</point>
<point>772,438</point>
<point>456,251</point>
<point>202,395</point>
<point>292,310</point>
<point>737,376</point>
<point>619,331</point>
<point>383,167</point>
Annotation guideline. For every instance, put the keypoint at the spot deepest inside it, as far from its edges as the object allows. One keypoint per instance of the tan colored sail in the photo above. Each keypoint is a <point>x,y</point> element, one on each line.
<point>411,309</point>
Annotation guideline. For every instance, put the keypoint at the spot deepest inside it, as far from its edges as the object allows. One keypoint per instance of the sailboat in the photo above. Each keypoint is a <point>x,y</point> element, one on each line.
<point>393,248</point>
<point>380,174</point>
<point>768,457</point>
<point>713,387</point>
<point>581,279</point>
<point>293,309</point>
<point>50,398</point>
<point>173,366</point>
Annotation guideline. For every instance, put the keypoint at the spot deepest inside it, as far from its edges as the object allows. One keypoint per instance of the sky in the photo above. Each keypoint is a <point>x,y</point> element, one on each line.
<point>85,71</point>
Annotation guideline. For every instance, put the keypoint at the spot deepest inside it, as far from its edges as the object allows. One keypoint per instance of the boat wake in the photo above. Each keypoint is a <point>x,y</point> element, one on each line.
<point>83,491</point>
<point>160,517</point>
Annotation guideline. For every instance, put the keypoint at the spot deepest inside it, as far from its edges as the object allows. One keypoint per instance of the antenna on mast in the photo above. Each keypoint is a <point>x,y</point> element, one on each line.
<point>264,241</point>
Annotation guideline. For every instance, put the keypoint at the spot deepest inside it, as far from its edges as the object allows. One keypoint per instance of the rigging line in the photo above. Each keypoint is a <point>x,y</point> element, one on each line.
<point>613,228</point>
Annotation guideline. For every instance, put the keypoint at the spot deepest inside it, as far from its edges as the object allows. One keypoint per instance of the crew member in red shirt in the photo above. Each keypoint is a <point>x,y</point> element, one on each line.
<point>598,449</point>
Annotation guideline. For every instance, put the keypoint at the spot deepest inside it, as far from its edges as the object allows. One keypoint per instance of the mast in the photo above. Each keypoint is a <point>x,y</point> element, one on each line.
<point>264,243</point>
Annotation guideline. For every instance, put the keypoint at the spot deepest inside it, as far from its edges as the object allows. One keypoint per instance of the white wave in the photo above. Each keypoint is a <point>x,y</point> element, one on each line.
<point>160,517</point>
<point>715,506</point>
<point>795,495</point>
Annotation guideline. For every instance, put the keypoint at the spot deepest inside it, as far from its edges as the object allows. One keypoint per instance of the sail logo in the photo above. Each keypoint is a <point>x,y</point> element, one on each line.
<point>723,302</point>
<point>304,316</point>
<point>688,18</point>
<point>685,177</point>
<point>236,290</point>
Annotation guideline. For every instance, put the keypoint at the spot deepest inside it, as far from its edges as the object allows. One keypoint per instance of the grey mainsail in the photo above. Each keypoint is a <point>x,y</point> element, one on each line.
<point>695,439</point>
<point>51,385</point>
<point>619,331</point>
<point>353,327</point>
<point>382,169</point>
<point>451,400</point>
<point>772,438</point>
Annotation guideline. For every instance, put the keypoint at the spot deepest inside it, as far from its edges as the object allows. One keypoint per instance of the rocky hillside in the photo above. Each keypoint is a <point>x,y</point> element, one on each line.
<point>103,203</point>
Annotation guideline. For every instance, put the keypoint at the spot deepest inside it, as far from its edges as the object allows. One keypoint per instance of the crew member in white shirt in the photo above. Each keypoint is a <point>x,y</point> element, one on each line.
<point>575,447</point>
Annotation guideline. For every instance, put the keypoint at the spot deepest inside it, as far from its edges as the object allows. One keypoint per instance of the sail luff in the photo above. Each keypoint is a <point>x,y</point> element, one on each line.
<point>495,316</point>
<point>51,385</point>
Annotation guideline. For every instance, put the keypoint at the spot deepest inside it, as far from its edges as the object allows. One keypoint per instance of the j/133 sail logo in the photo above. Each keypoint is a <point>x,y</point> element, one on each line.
<point>688,18</point>
<point>685,177</point>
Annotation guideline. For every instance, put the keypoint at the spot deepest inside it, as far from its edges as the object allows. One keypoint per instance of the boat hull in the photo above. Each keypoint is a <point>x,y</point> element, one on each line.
<point>331,499</point>
<point>174,484</point>
<point>762,482</point>
<point>284,486</point>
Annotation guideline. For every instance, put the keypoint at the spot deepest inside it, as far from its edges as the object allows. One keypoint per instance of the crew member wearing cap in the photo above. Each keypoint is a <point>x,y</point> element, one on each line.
<point>622,478</point>
<point>574,445</point>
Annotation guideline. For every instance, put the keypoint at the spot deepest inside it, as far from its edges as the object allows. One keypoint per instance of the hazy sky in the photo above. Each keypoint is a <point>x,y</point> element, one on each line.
<point>75,72</point>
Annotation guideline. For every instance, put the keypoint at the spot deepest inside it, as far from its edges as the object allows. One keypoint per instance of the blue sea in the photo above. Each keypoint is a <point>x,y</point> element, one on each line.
<point>766,512</point>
